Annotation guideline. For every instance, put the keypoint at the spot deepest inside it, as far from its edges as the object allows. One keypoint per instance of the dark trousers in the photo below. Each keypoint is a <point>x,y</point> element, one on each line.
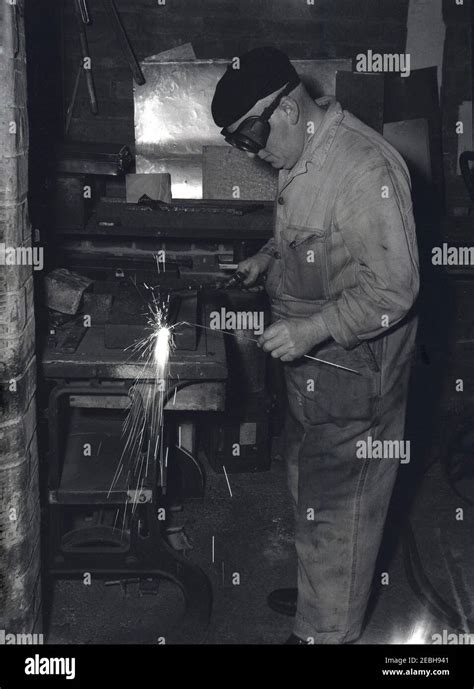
<point>340,498</point>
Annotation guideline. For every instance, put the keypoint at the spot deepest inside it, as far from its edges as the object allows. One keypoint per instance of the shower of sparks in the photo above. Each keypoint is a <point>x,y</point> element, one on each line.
<point>143,427</point>
<point>161,351</point>
<point>418,635</point>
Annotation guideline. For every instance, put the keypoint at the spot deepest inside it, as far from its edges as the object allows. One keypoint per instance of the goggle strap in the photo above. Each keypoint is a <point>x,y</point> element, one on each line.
<point>270,109</point>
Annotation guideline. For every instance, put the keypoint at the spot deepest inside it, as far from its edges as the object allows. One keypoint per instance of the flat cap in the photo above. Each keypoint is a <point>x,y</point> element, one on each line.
<point>261,71</point>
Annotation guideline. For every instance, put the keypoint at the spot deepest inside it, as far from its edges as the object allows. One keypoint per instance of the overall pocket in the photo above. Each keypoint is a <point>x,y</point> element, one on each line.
<point>334,395</point>
<point>304,263</point>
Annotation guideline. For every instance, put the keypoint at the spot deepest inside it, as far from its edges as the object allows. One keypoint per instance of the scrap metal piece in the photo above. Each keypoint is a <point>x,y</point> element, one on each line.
<point>92,158</point>
<point>64,290</point>
<point>363,95</point>
<point>156,186</point>
<point>73,338</point>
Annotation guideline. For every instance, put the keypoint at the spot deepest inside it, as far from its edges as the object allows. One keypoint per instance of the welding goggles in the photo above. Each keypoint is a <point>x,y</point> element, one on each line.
<point>252,134</point>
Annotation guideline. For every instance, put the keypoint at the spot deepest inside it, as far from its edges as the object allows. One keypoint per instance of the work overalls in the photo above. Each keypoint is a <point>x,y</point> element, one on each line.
<point>344,247</point>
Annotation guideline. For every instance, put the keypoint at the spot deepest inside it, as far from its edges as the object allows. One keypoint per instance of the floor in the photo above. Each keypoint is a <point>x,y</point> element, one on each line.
<point>252,533</point>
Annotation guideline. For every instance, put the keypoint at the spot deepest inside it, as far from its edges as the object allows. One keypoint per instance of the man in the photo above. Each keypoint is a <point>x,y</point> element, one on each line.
<point>342,276</point>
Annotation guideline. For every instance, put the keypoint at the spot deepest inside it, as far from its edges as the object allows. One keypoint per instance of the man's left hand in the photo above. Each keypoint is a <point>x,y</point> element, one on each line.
<point>291,338</point>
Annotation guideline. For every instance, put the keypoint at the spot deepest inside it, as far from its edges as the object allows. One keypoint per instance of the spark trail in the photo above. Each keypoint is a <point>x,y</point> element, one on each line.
<point>143,425</point>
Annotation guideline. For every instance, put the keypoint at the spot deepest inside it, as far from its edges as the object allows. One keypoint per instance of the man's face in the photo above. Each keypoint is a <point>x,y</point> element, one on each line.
<point>286,141</point>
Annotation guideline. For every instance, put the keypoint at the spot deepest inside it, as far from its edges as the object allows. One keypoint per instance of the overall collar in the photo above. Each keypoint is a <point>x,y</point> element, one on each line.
<point>318,145</point>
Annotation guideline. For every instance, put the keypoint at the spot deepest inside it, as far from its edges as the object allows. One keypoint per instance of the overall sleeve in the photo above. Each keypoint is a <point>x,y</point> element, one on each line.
<point>269,247</point>
<point>373,213</point>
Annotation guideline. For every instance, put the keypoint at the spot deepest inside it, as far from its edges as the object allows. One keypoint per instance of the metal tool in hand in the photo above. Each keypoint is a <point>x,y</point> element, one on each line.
<point>253,339</point>
<point>235,281</point>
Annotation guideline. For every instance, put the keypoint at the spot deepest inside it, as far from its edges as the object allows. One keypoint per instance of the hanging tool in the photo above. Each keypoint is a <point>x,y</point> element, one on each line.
<point>122,38</point>
<point>72,103</point>
<point>82,4</point>
<point>83,18</point>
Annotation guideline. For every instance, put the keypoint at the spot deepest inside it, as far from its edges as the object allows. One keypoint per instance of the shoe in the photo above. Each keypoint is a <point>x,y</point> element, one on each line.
<point>294,640</point>
<point>283,601</point>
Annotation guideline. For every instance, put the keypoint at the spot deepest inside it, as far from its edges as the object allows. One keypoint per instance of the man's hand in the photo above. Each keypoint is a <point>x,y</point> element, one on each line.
<point>253,267</point>
<point>291,338</point>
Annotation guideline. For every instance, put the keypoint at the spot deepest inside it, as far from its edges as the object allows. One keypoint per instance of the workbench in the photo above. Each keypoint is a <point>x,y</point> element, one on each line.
<point>92,360</point>
<point>113,218</point>
<point>94,377</point>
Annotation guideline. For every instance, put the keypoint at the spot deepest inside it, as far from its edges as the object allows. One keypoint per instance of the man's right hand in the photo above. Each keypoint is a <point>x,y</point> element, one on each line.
<point>253,267</point>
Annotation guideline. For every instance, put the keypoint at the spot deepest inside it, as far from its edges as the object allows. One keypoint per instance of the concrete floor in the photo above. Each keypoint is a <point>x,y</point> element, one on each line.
<point>253,536</point>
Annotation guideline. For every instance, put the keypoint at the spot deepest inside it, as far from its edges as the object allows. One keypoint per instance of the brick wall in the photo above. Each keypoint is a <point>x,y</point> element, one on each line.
<point>19,492</point>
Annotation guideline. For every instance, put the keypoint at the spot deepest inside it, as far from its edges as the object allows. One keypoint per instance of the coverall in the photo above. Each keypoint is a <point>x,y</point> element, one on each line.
<point>344,246</point>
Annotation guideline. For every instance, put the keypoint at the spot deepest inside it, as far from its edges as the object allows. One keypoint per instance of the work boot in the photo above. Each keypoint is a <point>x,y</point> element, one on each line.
<point>283,601</point>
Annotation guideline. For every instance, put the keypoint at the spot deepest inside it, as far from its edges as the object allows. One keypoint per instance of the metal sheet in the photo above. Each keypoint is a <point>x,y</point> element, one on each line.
<point>411,138</point>
<point>363,95</point>
<point>173,118</point>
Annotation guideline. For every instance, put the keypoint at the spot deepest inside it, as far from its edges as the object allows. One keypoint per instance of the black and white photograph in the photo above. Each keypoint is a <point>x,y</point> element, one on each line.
<point>236,338</point>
